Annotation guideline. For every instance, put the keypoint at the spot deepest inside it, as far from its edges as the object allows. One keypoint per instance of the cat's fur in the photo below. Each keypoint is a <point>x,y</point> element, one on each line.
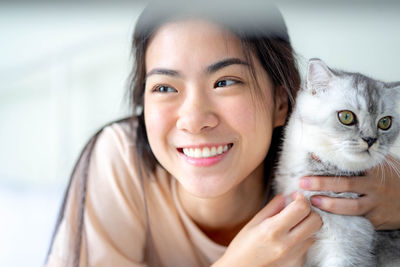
<point>317,143</point>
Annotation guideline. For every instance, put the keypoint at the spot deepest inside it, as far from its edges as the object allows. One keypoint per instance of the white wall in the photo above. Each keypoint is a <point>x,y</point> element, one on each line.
<point>358,36</point>
<point>63,70</point>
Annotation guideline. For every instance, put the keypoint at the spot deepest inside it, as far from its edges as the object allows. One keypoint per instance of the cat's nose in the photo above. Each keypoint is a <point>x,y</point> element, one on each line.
<point>369,140</point>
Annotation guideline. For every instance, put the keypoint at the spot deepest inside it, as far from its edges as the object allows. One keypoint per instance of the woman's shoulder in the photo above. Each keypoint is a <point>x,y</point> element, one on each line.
<point>114,159</point>
<point>119,135</point>
<point>114,152</point>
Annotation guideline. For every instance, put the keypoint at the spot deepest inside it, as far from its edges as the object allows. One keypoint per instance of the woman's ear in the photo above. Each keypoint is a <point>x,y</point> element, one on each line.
<point>281,106</point>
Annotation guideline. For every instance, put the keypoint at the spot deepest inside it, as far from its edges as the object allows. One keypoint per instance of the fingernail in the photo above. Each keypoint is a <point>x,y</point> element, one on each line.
<point>316,201</point>
<point>305,183</point>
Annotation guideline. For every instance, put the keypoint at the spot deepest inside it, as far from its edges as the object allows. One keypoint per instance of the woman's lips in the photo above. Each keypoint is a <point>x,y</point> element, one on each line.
<point>204,155</point>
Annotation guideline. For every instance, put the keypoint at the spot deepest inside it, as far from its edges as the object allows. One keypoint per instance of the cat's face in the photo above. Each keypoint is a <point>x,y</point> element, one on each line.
<point>356,119</point>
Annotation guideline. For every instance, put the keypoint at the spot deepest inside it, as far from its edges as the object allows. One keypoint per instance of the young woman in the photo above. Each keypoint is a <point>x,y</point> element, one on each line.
<point>186,181</point>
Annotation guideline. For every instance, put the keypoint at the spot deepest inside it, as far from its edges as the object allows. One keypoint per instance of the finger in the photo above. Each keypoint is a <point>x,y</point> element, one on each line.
<point>343,206</point>
<point>307,228</point>
<point>357,184</point>
<point>294,213</point>
<point>272,208</point>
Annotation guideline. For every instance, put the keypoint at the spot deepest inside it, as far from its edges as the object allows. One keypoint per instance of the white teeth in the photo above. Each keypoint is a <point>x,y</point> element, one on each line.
<point>197,153</point>
<point>205,152</point>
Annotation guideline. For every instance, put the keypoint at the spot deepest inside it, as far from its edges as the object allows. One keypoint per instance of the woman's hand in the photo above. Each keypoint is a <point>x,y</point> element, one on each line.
<point>379,190</point>
<point>276,236</point>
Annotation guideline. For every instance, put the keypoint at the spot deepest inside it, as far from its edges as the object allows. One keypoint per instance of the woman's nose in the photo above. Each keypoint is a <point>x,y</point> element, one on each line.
<point>196,115</point>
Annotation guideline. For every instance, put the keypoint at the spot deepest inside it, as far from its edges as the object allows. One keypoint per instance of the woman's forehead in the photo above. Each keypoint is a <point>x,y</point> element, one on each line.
<point>196,41</point>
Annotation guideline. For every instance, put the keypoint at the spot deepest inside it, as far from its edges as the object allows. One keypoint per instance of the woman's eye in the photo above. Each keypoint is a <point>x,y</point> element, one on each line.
<point>385,123</point>
<point>164,89</point>
<point>347,117</point>
<point>226,82</point>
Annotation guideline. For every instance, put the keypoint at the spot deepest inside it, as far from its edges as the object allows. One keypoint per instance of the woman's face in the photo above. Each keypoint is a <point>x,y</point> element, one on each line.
<point>202,121</point>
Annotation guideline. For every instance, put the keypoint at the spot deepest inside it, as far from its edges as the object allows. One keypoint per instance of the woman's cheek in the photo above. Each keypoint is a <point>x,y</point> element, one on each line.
<point>156,120</point>
<point>241,114</point>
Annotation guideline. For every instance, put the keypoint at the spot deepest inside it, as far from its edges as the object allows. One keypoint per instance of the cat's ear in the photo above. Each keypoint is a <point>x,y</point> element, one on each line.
<point>394,89</point>
<point>318,76</point>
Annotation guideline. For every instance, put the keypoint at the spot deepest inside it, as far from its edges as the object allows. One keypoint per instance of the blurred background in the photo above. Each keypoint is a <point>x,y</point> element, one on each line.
<point>63,73</point>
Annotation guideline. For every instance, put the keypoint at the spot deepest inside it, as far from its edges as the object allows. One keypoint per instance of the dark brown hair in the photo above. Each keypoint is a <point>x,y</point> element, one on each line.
<point>262,33</point>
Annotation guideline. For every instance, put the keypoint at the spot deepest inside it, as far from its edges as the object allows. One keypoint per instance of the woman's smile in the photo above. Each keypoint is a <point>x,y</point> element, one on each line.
<point>204,155</point>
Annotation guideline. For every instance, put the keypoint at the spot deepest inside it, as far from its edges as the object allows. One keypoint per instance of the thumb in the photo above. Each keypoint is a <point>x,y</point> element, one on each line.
<point>272,208</point>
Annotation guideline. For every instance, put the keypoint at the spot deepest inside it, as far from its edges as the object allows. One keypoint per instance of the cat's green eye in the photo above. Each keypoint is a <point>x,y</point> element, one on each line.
<point>347,117</point>
<point>385,123</point>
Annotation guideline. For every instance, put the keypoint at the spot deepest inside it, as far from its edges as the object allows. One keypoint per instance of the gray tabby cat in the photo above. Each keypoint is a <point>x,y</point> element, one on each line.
<point>342,125</point>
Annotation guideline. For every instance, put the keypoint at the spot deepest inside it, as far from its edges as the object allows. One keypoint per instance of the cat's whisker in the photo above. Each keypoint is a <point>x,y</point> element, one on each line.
<point>392,166</point>
<point>381,167</point>
<point>392,159</point>
<point>381,155</point>
<point>394,145</point>
<point>337,178</point>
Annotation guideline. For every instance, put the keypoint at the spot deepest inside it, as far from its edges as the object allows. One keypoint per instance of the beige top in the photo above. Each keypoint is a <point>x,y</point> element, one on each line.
<point>115,214</point>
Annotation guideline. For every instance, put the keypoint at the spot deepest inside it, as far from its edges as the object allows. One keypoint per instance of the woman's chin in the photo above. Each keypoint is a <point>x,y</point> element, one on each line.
<point>205,187</point>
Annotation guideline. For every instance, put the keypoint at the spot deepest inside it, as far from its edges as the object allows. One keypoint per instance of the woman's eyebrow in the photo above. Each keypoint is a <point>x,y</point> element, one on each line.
<point>210,69</point>
<point>224,63</point>
<point>162,71</point>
